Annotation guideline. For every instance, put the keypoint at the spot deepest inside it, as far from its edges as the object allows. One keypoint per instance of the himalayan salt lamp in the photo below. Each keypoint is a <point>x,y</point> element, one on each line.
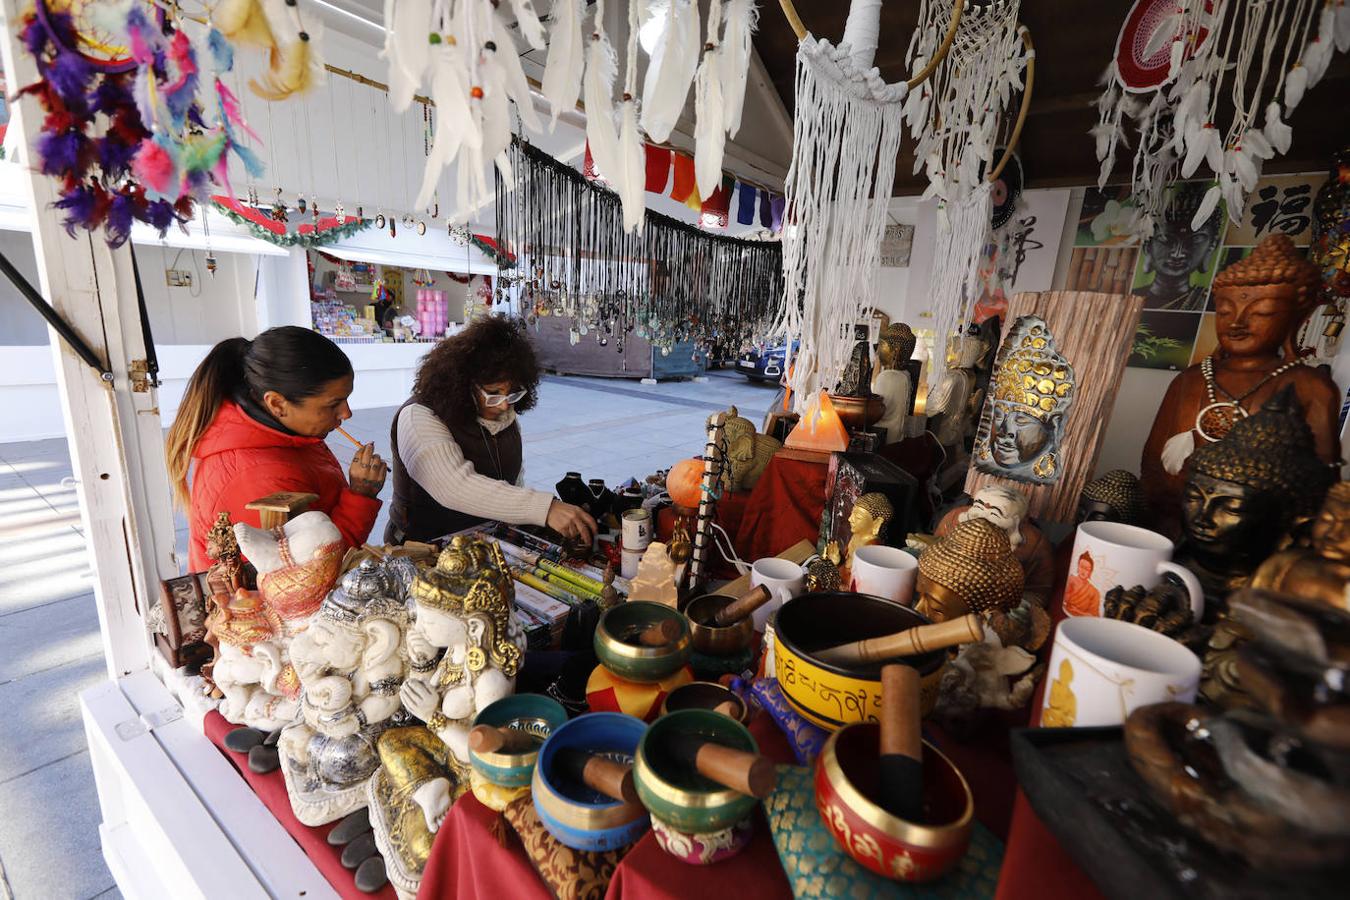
<point>820,428</point>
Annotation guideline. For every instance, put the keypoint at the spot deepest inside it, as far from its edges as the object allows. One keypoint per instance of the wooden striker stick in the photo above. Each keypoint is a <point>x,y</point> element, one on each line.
<point>965,630</point>
<point>737,610</point>
<point>609,777</point>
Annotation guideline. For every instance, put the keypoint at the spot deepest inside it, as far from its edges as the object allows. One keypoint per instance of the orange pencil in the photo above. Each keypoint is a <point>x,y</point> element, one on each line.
<point>342,431</point>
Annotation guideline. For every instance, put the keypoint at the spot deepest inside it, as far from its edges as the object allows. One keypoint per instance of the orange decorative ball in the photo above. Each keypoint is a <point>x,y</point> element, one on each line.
<point>684,483</point>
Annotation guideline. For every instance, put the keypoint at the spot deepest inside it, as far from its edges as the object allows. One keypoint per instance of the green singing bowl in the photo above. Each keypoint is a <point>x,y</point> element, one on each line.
<point>534,714</point>
<point>717,640</point>
<point>618,650</point>
<point>672,790</point>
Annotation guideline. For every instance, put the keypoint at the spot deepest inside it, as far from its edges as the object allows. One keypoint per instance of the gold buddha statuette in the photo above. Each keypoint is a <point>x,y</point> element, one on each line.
<point>1030,395</point>
<point>1321,570</point>
<point>1116,496</point>
<point>867,525</point>
<point>891,382</point>
<point>970,569</point>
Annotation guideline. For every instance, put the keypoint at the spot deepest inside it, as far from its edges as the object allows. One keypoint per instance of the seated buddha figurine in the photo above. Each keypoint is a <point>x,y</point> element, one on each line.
<point>464,651</point>
<point>891,382</point>
<point>867,525</point>
<point>1030,394</point>
<point>972,568</point>
<point>1321,570</point>
<point>1260,302</point>
<point>1006,507</point>
<point>952,406</point>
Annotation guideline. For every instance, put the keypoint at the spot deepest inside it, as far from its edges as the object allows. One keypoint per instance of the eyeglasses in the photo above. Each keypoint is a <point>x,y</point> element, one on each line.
<point>501,399</point>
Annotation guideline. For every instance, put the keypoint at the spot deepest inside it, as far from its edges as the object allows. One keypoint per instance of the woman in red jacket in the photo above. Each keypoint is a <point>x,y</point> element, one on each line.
<point>254,417</point>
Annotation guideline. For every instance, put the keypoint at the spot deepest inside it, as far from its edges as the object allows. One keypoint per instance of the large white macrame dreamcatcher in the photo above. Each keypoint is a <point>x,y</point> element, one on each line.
<point>1176,60</point>
<point>847,128</point>
<point>955,119</point>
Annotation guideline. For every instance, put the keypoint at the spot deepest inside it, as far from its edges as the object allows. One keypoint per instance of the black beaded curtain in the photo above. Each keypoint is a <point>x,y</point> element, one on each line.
<point>668,282</point>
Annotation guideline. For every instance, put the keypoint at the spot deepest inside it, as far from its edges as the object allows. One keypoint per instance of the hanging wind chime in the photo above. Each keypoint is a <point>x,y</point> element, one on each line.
<point>1179,62</point>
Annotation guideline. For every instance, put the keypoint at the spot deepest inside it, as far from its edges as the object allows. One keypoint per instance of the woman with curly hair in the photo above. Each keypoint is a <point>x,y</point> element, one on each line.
<point>457,450</point>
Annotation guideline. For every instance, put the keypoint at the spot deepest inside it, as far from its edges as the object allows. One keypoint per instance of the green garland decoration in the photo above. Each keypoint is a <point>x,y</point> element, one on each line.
<point>318,238</point>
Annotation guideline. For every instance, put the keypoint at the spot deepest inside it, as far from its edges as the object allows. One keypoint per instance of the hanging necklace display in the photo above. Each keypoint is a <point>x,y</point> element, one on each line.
<point>1178,63</point>
<point>955,120</point>
<point>847,131</point>
<point>667,283</point>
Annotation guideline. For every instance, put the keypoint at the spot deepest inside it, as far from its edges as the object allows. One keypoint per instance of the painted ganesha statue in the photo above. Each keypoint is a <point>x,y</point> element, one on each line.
<point>464,651</point>
<point>351,663</point>
<point>297,564</point>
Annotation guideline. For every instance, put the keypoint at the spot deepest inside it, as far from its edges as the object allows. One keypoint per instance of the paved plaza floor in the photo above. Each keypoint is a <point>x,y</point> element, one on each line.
<point>50,648</point>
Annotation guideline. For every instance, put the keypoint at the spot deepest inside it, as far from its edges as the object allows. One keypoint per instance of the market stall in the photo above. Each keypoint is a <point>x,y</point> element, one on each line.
<point>1082,605</point>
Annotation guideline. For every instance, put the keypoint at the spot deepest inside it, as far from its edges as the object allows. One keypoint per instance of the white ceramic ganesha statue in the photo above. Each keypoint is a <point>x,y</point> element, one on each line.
<point>351,662</point>
<point>464,651</point>
<point>297,564</point>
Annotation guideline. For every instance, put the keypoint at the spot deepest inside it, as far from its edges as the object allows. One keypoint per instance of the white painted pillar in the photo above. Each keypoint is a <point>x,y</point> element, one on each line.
<point>116,443</point>
<point>282,295</point>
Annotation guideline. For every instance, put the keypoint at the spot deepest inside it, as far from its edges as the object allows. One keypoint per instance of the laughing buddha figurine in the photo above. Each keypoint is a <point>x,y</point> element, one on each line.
<point>463,611</point>
<point>1032,388</point>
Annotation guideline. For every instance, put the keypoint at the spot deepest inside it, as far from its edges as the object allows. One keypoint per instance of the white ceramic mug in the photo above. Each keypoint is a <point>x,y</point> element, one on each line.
<point>1106,554</point>
<point>1101,670</point>
<point>784,580</point>
<point>884,572</point>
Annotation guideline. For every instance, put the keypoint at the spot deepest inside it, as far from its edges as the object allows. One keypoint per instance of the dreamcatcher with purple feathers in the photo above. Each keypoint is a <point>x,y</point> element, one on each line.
<point>124,131</point>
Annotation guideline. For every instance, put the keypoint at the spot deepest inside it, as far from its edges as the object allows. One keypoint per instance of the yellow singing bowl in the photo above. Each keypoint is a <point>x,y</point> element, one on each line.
<point>832,695</point>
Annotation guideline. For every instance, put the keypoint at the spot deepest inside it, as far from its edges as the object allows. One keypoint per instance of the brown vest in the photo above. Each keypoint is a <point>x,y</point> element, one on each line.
<point>414,515</point>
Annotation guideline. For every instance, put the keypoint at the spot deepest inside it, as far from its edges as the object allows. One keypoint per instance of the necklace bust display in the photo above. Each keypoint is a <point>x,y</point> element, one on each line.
<point>1259,302</point>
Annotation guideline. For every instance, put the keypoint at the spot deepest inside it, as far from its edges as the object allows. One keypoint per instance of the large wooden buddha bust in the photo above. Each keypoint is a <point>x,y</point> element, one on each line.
<point>1260,302</point>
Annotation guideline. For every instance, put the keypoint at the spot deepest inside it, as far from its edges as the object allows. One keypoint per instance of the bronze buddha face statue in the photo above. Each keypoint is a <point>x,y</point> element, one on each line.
<point>896,346</point>
<point>972,567</point>
<point>1260,301</point>
<point>1244,492</point>
<point>1113,497</point>
<point>1030,394</point>
<point>1331,529</point>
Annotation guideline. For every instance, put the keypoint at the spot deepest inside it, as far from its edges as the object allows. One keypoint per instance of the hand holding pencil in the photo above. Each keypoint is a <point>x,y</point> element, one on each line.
<point>368,471</point>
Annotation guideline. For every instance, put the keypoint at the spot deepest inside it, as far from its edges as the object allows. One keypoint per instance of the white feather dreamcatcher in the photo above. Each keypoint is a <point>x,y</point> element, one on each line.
<point>566,58</point>
<point>710,133</point>
<point>632,172</point>
<point>741,17</point>
<point>671,68</point>
<point>602,68</point>
<point>955,119</point>
<point>846,137</point>
<point>1261,58</point>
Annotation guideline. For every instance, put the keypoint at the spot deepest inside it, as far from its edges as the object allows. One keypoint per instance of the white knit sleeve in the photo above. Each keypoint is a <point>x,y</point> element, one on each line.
<point>435,461</point>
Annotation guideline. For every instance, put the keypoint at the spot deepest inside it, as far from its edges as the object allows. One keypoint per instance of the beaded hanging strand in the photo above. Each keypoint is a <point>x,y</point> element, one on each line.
<point>1216,419</point>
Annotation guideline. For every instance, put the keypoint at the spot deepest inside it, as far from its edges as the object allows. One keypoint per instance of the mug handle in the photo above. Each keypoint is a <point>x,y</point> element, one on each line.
<point>1193,589</point>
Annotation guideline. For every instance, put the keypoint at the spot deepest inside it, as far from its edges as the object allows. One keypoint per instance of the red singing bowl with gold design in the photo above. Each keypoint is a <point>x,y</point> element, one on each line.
<point>847,788</point>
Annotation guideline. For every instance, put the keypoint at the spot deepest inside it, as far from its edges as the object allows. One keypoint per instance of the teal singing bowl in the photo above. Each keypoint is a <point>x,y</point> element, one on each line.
<point>617,648</point>
<point>534,714</point>
<point>576,815</point>
<point>673,790</point>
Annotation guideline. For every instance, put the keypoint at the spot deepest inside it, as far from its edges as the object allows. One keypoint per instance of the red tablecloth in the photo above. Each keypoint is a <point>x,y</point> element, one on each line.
<point>477,854</point>
<point>271,790</point>
<point>783,509</point>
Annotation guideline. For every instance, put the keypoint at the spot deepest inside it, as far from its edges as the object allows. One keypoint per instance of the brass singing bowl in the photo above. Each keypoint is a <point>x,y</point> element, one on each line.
<point>636,663</point>
<point>717,640</point>
<point>858,413</point>
<point>704,695</point>
<point>672,790</point>
<point>832,695</point>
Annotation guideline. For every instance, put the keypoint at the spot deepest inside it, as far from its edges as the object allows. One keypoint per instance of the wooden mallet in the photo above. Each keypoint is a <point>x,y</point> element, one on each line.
<point>737,610</point>
<point>491,739</point>
<point>911,642</point>
<point>605,776</point>
<point>901,763</point>
<point>745,773</point>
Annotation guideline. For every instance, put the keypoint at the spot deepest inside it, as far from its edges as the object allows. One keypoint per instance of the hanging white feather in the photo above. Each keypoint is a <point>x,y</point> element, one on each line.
<point>513,76</point>
<point>1206,208</point>
<point>632,181</point>
<point>453,121</point>
<point>602,67</point>
<point>1239,162</point>
<point>1176,451</point>
<point>1341,28</point>
<point>1277,132</point>
<point>1213,142</point>
<point>1198,146</point>
<point>566,58</point>
<point>709,133</point>
<point>1256,144</point>
<point>671,71</point>
<point>1164,32</point>
<point>1105,136</point>
<point>1295,83</point>
<point>1232,193</point>
<point>528,20</point>
<point>1316,57</point>
<point>409,51</point>
<point>741,20</point>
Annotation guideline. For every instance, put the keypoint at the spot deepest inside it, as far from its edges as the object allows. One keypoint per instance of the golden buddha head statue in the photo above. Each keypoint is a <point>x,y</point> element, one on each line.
<point>972,567</point>
<point>1030,393</point>
<point>1260,301</point>
<point>1116,496</point>
<point>896,345</point>
<point>1331,528</point>
<point>1244,492</point>
<point>870,515</point>
<point>466,599</point>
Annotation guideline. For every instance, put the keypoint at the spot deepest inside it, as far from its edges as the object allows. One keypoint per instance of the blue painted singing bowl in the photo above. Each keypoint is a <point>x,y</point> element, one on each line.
<point>534,714</point>
<point>576,815</point>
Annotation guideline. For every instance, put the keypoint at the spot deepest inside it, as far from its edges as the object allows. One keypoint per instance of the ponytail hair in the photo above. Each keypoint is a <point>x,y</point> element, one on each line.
<point>292,361</point>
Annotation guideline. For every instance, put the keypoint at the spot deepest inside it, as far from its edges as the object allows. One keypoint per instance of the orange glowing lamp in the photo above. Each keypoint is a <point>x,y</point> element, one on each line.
<point>820,428</point>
